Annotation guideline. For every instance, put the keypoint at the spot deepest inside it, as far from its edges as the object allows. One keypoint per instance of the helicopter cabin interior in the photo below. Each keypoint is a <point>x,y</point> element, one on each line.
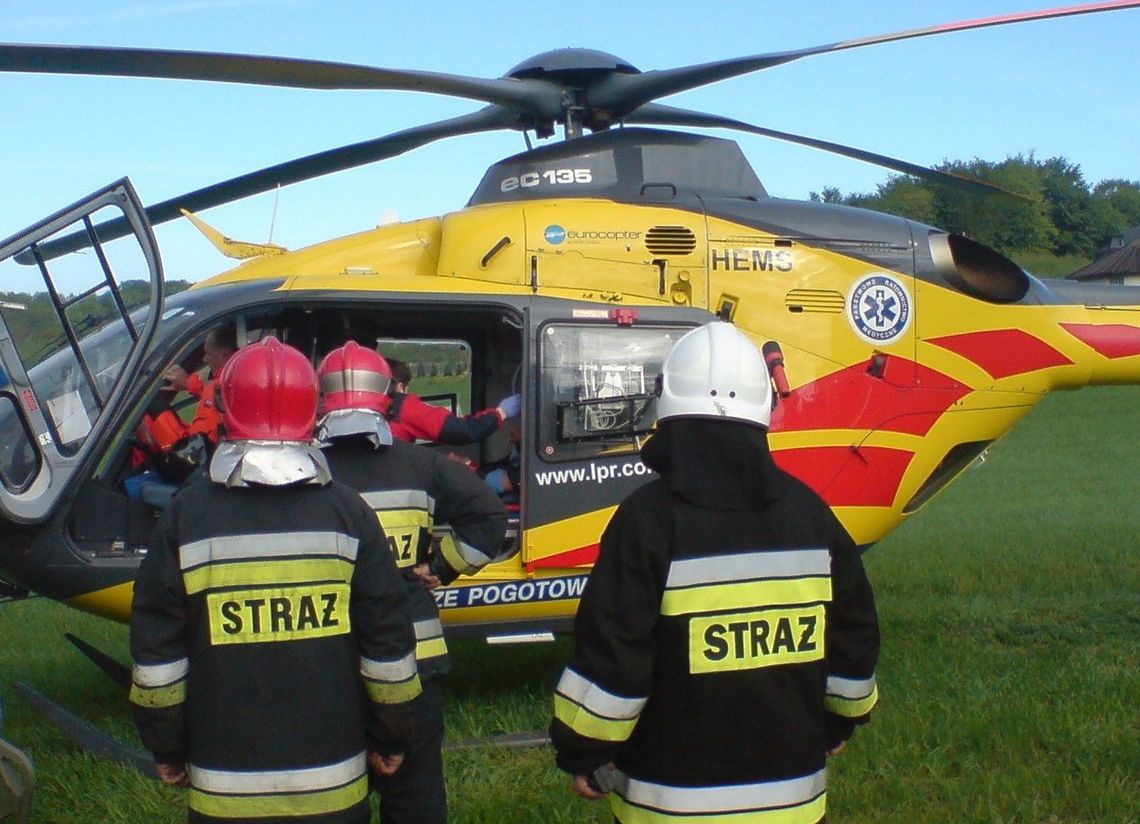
<point>461,357</point>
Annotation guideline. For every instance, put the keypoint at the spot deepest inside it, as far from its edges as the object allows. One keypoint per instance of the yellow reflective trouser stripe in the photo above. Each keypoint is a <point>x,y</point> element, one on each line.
<point>321,802</point>
<point>155,697</point>
<point>585,723</point>
<point>723,596</point>
<point>430,648</point>
<point>808,813</point>
<point>398,693</point>
<point>267,572</point>
<point>851,707</point>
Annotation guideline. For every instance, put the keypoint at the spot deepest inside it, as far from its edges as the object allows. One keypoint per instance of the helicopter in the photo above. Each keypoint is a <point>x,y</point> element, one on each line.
<point>898,352</point>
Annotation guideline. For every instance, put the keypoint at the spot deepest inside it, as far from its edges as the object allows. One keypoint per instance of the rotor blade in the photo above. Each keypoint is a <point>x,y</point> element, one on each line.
<point>621,93</point>
<point>531,95</point>
<point>657,114</point>
<point>293,171</point>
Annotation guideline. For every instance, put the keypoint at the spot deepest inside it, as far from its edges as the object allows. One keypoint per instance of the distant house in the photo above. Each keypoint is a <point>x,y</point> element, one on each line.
<point>1118,262</point>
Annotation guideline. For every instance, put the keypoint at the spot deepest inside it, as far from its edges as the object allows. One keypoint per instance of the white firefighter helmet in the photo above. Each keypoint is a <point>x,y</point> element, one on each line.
<point>715,371</point>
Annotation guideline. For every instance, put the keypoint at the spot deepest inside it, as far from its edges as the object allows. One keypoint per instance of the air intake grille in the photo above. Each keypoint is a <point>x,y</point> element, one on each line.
<point>814,300</point>
<point>670,240</point>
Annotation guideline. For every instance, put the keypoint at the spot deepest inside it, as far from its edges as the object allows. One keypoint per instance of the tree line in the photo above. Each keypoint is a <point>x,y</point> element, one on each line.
<point>1058,222</point>
<point>37,331</point>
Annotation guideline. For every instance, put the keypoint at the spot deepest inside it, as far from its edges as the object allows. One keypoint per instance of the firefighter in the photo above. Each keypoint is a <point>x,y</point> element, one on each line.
<point>726,642</point>
<point>271,630</point>
<point>411,418</point>
<point>411,488</point>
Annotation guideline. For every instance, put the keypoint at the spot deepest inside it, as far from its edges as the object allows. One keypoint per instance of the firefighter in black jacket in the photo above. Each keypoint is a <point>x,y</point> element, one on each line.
<point>271,631</point>
<point>411,488</point>
<point>726,641</point>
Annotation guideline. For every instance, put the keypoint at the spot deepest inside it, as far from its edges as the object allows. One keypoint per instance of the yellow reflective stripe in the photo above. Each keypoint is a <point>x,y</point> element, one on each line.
<point>279,614</point>
<point>851,707</point>
<point>810,813</point>
<point>322,802</point>
<point>585,723</point>
<point>451,554</point>
<point>266,573</point>
<point>404,529</point>
<point>388,693</point>
<point>712,597</point>
<point>759,638</point>
<point>431,648</point>
<point>158,697</point>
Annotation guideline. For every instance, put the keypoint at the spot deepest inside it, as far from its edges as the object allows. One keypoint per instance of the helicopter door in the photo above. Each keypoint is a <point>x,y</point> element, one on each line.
<point>67,358</point>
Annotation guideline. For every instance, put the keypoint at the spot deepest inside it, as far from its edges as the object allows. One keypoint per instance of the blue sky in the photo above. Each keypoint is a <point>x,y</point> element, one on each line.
<point>1058,87</point>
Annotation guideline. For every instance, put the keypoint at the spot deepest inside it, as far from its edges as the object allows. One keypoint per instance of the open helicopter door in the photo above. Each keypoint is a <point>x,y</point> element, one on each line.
<point>65,370</point>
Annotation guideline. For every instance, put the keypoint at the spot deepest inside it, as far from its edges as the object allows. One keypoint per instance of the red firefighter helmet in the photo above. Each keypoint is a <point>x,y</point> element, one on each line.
<point>269,393</point>
<point>354,377</point>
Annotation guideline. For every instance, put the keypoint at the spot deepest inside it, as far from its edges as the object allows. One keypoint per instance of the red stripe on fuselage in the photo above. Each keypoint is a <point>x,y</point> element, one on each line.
<point>572,557</point>
<point>848,475</point>
<point>1003,352</point>
<point>853,399</point>
<point>1113,340</point>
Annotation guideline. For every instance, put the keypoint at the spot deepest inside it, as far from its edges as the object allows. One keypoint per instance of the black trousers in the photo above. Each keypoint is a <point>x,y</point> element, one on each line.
<point>416,794</point>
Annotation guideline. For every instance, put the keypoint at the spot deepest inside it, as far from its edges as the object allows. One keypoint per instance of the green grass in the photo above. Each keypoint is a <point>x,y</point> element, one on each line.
<point>1010,609</point>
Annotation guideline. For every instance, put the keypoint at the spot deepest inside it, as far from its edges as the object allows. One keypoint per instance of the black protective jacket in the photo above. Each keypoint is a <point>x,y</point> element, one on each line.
<point>413,489</point>
<point>273,642</point>
<point>726,639</point>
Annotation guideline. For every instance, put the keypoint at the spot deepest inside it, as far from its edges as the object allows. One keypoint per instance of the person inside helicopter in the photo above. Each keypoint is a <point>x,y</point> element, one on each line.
<point>218,348</point>
<point>411,418</point>
<point>167,449</point>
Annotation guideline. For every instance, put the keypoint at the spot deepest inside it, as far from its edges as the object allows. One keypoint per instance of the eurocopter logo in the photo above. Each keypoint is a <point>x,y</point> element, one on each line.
<point>879,308</point>
<point>554,234</point>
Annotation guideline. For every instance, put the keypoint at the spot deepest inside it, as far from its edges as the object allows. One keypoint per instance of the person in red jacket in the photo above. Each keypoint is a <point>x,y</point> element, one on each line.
<point>412,419</point>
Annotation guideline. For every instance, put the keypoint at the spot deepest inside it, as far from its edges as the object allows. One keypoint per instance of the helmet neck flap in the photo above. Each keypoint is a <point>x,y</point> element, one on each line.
<point>268,463</point>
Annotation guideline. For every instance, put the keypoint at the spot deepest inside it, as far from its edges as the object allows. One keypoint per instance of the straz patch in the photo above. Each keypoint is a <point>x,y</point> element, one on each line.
<point>755,639</point>
<point>879,308</point>
<point>283,614</point>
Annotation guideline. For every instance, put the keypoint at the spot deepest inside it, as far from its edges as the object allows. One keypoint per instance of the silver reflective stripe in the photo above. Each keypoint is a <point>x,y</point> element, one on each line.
<point>354,380</point>
<point>474,557</point>
<point>312,779</point>
<point>589,695</point>
<point>853,688</point>
<point>160,675</point>
<point>719,569</point>
<point>271,545</point>
<point>394,671</point>
<point>400,499</point>
<point>735,797</point>
<point>430,628</point>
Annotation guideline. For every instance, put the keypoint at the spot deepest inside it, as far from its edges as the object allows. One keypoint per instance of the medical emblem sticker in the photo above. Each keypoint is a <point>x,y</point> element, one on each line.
<point>879,308</point>
<point>554,234</point>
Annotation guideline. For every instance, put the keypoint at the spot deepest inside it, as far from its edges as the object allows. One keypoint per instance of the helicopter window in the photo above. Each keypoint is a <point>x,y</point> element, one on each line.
<point>19,459</point>
<point>74,390</point>
<point>598,386</point>
<point>441,370</point>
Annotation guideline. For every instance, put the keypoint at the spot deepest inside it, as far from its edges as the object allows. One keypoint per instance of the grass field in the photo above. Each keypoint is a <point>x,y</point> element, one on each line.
<point>1010,674</point>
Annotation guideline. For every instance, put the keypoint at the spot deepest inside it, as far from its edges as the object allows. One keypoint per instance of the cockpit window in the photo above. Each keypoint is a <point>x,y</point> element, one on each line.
<point>598,387</point>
